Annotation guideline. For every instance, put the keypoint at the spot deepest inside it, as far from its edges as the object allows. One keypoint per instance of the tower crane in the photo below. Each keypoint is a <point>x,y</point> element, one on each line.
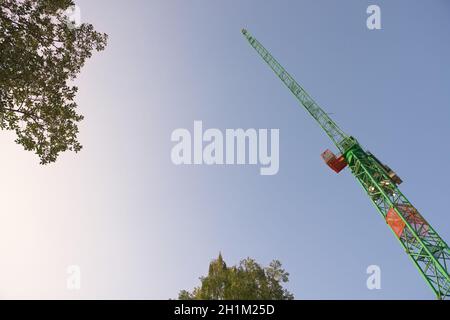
<point>426,249</point>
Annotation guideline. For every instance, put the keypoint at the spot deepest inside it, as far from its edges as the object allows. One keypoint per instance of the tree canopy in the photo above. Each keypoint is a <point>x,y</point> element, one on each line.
<point>41,52</point>
<point>245,281</point>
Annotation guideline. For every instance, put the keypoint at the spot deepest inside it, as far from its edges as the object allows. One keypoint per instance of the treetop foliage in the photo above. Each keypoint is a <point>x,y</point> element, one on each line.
<point>245,281</point>
<point>41,52</point>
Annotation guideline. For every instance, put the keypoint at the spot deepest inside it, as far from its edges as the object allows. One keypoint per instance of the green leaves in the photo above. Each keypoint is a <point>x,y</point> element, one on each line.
<point>39,55</point>
<point>246,281</point>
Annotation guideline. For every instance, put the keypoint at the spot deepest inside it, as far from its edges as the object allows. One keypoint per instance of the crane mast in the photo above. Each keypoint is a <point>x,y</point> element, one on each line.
<point>428,251</point>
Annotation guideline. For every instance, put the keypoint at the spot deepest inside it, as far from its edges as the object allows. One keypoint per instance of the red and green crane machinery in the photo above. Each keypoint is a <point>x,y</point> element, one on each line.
<point>427,250</point>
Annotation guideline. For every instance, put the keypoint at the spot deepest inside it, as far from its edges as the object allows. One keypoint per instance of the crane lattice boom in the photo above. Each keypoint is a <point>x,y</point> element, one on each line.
<point>428,251</point>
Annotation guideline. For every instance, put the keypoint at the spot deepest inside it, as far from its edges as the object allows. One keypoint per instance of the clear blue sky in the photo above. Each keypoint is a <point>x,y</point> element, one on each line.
<point>148,228</point>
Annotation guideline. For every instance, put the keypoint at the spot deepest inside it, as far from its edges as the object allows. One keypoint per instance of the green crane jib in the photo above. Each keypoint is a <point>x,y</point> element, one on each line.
<point>428,251</point>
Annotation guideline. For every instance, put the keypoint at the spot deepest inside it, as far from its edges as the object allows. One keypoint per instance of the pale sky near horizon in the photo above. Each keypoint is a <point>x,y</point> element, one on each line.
<point>140,227</point>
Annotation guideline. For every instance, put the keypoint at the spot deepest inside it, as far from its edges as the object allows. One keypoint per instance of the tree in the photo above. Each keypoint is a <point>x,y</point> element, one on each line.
<point>41,52</point>
<point>246,281</point>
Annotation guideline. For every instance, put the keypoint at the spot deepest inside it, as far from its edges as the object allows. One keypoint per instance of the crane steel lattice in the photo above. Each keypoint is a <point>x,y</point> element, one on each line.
<point>428,251</point>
